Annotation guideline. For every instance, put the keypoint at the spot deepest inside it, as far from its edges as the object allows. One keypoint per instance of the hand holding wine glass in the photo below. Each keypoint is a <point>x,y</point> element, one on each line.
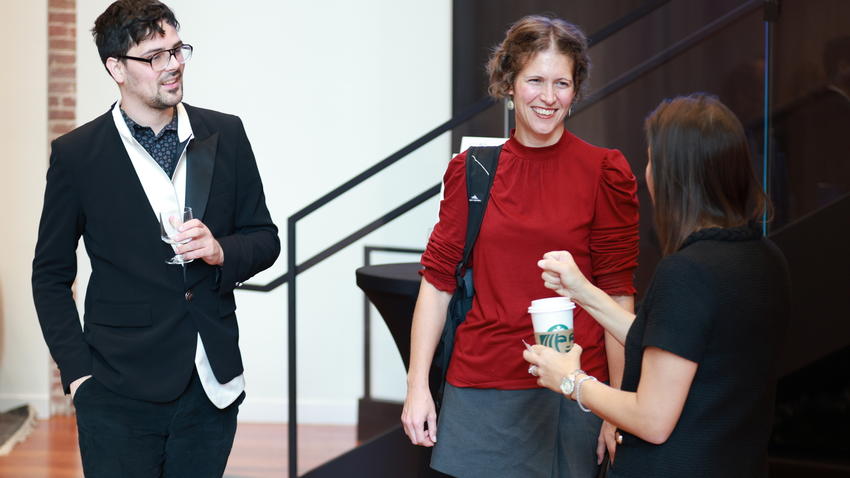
<point>169,227</point>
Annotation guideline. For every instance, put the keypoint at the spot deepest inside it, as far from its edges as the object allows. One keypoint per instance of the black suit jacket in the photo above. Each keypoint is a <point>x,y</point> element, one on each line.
<point>141,314</point>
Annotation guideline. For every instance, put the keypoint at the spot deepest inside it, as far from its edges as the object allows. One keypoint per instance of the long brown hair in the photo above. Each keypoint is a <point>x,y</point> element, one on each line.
<point>530,35</point>
<point>701,169</point>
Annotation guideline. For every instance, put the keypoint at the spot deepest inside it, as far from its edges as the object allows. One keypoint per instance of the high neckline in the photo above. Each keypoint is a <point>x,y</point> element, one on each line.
<point>543,152</point>
<point>746,232</point>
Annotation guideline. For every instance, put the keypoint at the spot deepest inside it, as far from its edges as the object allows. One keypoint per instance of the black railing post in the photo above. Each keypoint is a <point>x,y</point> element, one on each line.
<point>771,15</point>
<point>293,410</point>
<point>367,333</point>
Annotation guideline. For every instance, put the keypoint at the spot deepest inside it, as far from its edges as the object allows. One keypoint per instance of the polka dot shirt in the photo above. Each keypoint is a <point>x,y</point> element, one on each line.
<point>162,147</point>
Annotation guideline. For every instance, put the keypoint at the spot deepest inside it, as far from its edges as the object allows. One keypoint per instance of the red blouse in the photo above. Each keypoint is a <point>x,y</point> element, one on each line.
<point>568,196</point>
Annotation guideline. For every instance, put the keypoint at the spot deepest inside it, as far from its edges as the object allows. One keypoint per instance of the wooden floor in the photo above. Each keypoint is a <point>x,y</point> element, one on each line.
<point>259,451</point>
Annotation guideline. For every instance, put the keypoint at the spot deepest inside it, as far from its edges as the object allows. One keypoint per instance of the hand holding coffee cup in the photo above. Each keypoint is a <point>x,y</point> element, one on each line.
<point>551,367</point>
<point>552,319</point>
<point>561,274</point>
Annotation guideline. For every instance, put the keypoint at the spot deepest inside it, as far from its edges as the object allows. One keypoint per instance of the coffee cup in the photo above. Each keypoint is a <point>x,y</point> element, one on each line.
<point>552,319</point>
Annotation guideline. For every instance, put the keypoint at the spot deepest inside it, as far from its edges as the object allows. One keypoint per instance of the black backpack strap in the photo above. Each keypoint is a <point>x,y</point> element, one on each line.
<point>481,164</point>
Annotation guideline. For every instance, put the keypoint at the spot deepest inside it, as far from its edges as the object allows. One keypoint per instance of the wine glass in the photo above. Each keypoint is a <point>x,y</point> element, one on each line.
<point>169,227</point>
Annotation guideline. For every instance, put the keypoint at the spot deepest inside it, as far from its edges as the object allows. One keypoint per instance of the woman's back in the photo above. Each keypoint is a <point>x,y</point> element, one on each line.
<point>720,301</point>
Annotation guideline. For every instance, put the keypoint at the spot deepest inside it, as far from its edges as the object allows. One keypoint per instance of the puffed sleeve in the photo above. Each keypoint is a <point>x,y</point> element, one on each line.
<point>614,232</point>
<point>445,246</point>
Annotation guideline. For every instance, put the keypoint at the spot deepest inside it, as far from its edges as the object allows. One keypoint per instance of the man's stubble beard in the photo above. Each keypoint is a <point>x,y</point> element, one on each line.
<point>159,100</point>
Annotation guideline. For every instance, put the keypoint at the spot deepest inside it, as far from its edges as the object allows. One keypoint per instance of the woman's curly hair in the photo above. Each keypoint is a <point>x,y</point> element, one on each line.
<point>531,35</point>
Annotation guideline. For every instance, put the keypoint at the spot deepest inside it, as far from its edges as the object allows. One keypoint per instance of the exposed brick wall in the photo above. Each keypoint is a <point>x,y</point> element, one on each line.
<point>62,66</point>
<point>61,118</point>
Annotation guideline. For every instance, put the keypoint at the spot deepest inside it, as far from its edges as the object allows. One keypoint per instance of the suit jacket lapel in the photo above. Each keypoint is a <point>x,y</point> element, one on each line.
<point>119,170</point>
<point>116,177</point>
<point>200,163</point>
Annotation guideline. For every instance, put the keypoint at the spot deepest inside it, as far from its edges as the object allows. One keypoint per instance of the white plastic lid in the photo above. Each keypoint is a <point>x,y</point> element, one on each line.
<point>551,304</point>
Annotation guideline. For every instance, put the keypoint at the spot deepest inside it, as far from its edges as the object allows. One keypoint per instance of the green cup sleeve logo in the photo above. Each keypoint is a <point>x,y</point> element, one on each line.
<point>559,338</point>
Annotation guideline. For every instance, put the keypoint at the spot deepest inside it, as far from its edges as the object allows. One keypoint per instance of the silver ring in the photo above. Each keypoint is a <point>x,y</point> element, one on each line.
<point>532,369</point>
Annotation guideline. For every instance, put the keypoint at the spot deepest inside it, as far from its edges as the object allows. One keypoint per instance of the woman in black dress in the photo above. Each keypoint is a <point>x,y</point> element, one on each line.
<point>699,382</point>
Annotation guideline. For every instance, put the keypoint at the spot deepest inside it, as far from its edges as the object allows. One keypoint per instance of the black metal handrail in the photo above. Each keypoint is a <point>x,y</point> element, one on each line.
<point>348,240</point>
<point>293,269</point>
<point>668,54</point>
<point>624,21</point>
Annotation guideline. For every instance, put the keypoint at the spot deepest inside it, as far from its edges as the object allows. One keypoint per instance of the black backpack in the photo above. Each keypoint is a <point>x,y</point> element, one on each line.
<point>481,163</point>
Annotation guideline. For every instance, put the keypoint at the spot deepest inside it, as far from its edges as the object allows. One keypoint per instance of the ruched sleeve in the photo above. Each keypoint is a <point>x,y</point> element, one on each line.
<point>614,231</point>
<point>445,246</point>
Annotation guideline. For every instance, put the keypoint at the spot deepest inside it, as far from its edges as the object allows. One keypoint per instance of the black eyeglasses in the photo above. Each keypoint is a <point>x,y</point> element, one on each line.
<point>160,60</point>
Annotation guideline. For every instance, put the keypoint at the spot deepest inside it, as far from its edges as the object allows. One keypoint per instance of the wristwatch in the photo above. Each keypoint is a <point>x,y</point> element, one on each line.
<point>568,383</point>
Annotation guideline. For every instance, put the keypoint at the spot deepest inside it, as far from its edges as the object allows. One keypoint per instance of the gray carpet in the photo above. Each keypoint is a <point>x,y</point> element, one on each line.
<point>15,425</point>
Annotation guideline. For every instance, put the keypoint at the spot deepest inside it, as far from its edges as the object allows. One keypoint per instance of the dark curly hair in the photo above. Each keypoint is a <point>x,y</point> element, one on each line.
<point>128,22</point>
<point>531,35</point>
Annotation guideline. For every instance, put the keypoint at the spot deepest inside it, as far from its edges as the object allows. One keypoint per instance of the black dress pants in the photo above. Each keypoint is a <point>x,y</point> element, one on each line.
<point>122,437</point>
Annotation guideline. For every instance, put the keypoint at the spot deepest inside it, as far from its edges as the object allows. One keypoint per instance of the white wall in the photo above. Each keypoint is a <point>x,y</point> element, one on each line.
<point>23,134</point>
<point>325,90</point>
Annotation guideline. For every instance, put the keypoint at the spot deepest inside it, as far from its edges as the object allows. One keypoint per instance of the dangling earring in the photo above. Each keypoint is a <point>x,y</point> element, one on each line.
<point>570,111</point>
<point>510,103</point>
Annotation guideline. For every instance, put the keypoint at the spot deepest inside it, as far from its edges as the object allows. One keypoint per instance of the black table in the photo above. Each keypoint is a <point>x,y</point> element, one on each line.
<point>392,289</point>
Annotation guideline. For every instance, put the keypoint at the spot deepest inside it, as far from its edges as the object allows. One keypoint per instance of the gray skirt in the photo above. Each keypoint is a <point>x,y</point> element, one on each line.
<point>532,433</point>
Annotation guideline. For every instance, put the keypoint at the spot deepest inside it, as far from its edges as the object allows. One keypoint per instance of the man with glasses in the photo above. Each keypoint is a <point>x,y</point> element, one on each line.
<point>155,373</point>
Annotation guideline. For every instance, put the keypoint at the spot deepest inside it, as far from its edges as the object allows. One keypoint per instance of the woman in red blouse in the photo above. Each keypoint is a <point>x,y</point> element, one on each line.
<point>551,191</point>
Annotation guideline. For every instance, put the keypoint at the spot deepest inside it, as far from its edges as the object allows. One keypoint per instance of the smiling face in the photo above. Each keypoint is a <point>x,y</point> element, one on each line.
<point>542,93</point>
<point>142,89</point>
